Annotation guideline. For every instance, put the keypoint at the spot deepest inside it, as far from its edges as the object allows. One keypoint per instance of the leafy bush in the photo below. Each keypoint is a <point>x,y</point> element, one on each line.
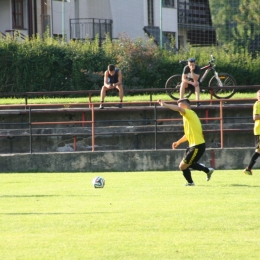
<point>48,64</point>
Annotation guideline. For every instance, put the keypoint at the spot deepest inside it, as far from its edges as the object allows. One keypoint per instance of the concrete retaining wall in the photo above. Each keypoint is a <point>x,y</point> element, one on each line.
<point>120,161</point>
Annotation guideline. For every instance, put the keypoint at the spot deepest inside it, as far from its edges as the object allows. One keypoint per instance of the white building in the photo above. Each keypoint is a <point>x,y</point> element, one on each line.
<point>89,17</point>
<point>185,20</point>
<point>29,17</point>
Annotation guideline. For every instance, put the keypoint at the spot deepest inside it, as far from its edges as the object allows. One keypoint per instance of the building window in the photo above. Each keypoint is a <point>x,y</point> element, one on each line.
<point>168,3</point>
<point>150,13</point>
<point>17,14</point>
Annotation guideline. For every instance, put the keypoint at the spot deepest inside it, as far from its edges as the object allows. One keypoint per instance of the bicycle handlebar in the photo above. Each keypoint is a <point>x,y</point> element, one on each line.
<point>212,58</point>
<point>185,62</point>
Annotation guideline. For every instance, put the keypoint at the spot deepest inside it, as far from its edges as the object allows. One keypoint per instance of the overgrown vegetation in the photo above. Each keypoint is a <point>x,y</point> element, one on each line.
<point>49,64</point>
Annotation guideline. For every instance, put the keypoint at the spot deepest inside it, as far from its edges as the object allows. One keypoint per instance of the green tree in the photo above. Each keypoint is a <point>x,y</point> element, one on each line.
<point>223,14</point>
<point>248,22</point>
<point>237,22</point>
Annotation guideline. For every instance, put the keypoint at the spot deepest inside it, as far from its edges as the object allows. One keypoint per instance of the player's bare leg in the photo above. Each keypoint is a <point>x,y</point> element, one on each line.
<point>183,87</point>
<point>197,93</point>
<point>102,96</point>
<point>121,94</point>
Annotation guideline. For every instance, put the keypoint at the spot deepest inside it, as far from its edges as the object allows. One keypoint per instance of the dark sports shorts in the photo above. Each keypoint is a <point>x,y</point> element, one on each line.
<point>257,142</point>
<point>194,153</point>
<point>190,88</point>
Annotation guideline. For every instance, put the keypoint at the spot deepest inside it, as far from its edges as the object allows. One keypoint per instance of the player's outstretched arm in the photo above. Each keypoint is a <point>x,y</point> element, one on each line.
<point>172,107</point>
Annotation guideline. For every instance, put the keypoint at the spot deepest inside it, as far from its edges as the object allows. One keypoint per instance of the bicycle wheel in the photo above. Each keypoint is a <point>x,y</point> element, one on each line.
<point>227,80</point>
<point>174,82</point>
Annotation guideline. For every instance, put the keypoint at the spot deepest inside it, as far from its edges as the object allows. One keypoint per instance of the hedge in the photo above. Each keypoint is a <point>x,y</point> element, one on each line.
<point>48,64</point>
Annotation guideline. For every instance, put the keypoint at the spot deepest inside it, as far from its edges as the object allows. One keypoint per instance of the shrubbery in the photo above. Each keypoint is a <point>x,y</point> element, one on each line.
<point>52,65</point>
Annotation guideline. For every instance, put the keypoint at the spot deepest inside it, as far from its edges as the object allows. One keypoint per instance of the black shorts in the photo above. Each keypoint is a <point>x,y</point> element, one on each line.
<point>190,88</point>
<point>112,89</point>
<point>257,142</point>
<point>194,153</point>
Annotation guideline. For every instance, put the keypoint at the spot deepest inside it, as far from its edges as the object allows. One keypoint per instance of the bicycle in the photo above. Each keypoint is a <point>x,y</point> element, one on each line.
<point>218,80</point>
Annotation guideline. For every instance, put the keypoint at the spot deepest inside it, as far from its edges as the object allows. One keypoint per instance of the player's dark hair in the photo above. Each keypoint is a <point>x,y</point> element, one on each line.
<point>111,67</point>
<point>183,100</point>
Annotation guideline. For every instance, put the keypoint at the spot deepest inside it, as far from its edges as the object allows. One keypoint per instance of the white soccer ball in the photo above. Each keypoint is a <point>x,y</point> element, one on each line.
<point>98,182</point>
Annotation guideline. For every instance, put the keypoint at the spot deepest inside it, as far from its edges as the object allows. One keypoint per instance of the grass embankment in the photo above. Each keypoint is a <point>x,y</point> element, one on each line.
<point>139,98</point>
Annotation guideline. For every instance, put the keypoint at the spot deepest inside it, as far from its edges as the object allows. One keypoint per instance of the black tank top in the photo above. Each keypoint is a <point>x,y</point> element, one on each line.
<point>114,78</point>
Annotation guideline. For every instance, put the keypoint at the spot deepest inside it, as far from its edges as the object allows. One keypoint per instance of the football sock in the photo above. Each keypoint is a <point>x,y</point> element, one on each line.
<point>253,160</point>
<point>199,167</point>
<point>187,175</point>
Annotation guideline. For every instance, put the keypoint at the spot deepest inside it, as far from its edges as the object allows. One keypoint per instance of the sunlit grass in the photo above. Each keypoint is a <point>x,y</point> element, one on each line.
<point>138,215</point>
<point>127,98</point>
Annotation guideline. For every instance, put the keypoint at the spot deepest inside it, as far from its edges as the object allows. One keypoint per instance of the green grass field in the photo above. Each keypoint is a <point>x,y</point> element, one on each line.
<point>138,215</point>
<point>134,98</point>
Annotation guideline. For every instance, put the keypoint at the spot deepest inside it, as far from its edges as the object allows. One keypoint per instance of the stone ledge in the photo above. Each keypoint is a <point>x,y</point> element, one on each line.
<point>121,161</point>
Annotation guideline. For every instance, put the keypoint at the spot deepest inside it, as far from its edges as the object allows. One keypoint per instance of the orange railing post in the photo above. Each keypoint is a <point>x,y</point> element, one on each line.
<point>207,116</point>
<point>83,119</point>
<point>93,126</point>
<point>32,108</point>
<point>211,96</point>
<point>89,99</point>
<point>221,124</point>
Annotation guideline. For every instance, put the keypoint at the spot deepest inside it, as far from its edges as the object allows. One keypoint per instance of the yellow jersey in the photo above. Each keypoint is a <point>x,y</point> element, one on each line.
<point>256,111</point>
<point>192,128</point>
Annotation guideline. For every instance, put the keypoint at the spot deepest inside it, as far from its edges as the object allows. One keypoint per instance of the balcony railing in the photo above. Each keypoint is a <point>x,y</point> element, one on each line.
<point>15,34</point>
<point>83,28</point>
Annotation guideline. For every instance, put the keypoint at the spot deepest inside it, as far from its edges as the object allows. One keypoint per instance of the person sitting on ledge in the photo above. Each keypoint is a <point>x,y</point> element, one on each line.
<point>112,79</point>
<point>190,79</point>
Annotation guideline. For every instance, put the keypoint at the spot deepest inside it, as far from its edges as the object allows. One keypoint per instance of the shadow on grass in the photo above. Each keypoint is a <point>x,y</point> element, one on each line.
<point>234,185</point>
<point>43,196</point>
<point>244,185</point>
<point>52,213</point>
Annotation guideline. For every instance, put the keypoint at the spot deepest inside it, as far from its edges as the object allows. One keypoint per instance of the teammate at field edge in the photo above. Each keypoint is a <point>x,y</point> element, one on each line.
<point>256,118</point>
<point>193,134</point>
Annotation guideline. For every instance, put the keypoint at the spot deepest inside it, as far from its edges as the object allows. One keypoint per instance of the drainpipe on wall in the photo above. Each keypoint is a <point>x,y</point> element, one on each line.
<point>161,23</point>
<point>63,20</point>
<point>29,18</point>
<point>35,18</point>
<point>51,17</point>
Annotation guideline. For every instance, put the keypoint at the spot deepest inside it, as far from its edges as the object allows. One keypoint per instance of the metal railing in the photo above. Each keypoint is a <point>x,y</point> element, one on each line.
<point>90,93</point>
<point>90,108</point>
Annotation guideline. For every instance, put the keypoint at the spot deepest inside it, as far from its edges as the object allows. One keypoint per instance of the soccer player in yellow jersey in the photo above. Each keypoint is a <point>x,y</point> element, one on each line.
<point>256,118</point>
<point>193,134</point>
